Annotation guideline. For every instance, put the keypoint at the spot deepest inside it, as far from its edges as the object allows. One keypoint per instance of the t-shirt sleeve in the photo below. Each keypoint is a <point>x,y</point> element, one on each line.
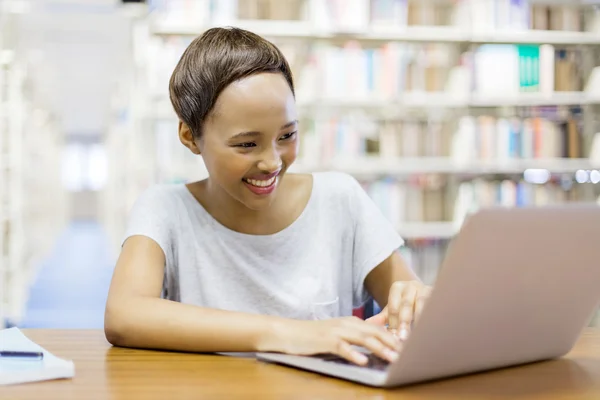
<point>375,238</point>
<point>150,217</point>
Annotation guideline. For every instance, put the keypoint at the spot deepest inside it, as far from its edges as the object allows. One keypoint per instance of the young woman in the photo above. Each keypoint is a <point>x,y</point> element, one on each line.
<point>253,258</point>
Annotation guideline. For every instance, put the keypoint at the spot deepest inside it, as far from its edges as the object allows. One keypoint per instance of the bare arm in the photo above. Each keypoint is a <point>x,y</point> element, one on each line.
<point>381,278</point>
<point>136,316</point>
<point>399,291</point>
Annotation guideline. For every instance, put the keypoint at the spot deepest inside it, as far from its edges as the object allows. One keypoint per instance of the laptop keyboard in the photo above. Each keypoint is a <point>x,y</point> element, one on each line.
<point>375,362</point>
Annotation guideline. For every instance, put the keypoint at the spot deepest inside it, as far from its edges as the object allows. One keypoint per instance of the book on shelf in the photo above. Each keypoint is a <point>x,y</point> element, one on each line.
<point>424,200</point>
<point>354,71</point>
<point>201,13</point>
<point>363,16</point>
<point>504,70</point>
<point>388,71</point>
<point>494,15</point>
<point>489,138</point>
<point>559,17</point>
<point>347,71</point>
<point>480,193</point>
<point>289,10</point>
<point>178,12</point>
<point>388,13</point>
<point>356,15</point>
<point>413,201</point>
<point>549,133</point>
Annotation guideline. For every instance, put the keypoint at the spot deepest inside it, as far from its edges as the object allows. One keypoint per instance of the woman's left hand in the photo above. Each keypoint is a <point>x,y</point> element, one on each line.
<point>405,303</point>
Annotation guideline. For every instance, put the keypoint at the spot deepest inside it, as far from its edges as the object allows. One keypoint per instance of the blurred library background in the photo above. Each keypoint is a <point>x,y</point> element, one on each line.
<point>438,107</point>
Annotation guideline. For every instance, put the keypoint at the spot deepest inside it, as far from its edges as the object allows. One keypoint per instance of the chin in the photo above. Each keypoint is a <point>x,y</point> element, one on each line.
<point>257,206</point>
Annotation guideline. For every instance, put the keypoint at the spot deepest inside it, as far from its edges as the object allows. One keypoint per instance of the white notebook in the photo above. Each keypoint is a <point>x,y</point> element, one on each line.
<point>13,371</point>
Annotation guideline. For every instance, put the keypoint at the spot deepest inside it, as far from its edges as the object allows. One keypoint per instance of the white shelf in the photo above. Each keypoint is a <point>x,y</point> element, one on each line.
<point>537,37</point>
<point>534,99</point>
<point>162,108</point>
<point>448,100</point>
<point>289,29</point>
<point>447,34</point>
<point>408,100</point>
<point>578,3</point>
<point>427,230</point>
<point>366,167</point>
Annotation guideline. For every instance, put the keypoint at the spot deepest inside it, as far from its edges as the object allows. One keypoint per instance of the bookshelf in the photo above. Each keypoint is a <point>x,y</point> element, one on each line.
<point>4,60</point>
<point>374,167</point>
<point>447,103</point>
<point>32,202</point>
<point>451,34</point>
<point>301,30</point>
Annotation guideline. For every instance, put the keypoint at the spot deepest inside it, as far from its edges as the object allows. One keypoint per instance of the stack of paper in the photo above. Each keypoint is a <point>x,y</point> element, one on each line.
<point>13,371</point>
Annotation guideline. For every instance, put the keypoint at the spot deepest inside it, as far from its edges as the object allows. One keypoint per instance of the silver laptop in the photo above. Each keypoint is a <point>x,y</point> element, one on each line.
<point>517,286</point>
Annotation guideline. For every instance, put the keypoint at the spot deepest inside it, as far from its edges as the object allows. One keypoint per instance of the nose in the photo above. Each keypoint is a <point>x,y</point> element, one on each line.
<point>270,161</point>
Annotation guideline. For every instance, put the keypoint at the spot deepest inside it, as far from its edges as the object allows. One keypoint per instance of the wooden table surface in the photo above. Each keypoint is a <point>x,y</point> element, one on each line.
<point>105,372</point>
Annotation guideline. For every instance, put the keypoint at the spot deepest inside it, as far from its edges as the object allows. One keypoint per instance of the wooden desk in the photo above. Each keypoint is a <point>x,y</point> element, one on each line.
<point>104,372</point>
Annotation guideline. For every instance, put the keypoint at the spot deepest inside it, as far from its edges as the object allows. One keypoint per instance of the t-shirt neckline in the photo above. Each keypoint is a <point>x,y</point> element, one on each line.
<point>291,227</point>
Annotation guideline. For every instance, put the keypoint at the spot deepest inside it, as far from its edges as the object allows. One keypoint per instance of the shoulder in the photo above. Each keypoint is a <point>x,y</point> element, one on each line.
<point>340,193</point>
<point>160,196</point>
<point>154,213</point>
<point>162,191</point>
<point>337,185</point>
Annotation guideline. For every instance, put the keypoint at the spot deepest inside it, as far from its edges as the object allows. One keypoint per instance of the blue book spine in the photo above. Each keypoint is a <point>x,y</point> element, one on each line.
<point>521,201</point>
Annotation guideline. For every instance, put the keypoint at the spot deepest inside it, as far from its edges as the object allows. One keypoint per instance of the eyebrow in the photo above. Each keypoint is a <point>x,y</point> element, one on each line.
<point>256,133</point>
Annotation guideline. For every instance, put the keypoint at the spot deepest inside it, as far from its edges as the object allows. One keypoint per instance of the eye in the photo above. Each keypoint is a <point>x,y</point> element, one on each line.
<point>288,136</point>
<point>246,145</point>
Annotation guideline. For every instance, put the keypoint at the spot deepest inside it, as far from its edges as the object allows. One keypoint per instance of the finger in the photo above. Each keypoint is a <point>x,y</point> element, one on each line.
<point>407,310</point>
<point>383,335</point>
<point>394,305</point>
<point>387,338</point>
<point>378,319</point>
<point>369,340</point>
<point>345,350</point>
<point>380,349</point>
<point>422,297</point>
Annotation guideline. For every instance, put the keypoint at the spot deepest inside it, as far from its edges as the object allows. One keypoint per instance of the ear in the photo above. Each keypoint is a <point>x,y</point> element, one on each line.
<point>187,138</point>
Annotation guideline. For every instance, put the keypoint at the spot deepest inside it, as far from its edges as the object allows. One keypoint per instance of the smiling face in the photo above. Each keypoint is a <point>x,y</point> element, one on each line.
<point>249,139</point>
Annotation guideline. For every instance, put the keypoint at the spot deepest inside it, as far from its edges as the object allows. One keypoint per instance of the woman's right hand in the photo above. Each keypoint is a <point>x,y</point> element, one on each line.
<point>337,336</point>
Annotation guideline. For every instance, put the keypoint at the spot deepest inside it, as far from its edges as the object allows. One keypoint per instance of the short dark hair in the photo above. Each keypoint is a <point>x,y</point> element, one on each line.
<point>214,60</point>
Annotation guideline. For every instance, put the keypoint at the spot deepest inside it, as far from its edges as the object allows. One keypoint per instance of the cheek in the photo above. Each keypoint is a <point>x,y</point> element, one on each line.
<point>290,152</point>
<point>224,164</point>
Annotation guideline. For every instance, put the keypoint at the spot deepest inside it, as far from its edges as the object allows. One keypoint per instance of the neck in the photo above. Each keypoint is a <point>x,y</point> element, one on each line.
<point>235,215</point>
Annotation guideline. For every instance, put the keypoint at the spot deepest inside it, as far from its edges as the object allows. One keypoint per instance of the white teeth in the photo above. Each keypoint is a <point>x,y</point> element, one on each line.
<point>266,183</point>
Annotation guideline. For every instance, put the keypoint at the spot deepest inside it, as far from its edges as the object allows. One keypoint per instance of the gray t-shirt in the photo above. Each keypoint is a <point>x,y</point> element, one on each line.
<point>313,269</point>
